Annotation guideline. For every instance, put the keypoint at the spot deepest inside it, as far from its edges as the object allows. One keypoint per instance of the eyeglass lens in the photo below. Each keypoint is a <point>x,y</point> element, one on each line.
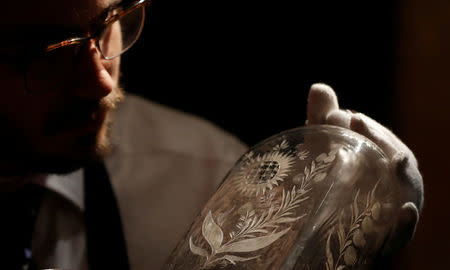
<point>54,69</point>
<point>119,36</point>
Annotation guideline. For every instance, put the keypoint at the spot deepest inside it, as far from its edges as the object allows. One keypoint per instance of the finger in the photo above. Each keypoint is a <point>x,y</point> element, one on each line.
<point>400,156</point>
<point>410,178</point>
<point>321,101</point>
<point>339,118</point>
<point>373,132</point>
<point>405,227</point>
<point>408,219</point>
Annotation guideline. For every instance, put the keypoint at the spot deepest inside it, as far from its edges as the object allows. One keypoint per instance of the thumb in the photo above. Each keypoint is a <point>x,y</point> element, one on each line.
<point>404,230</point>
<point>321,101</point>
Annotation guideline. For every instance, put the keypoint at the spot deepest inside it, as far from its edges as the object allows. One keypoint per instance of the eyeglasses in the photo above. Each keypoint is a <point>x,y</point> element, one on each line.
<point>117,32</point>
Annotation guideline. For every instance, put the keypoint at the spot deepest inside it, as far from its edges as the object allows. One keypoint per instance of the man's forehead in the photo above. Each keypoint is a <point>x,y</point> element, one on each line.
<point>59,13</point>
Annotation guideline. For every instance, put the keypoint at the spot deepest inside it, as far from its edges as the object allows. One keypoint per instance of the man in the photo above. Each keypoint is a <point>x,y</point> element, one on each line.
<point>60,68</point>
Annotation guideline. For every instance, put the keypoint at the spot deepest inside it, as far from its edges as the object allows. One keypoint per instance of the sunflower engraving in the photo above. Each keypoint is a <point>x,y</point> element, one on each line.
<point>263,172</point>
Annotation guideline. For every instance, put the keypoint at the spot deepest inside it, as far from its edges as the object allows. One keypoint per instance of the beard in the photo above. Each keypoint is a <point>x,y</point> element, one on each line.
<point>22,155</point>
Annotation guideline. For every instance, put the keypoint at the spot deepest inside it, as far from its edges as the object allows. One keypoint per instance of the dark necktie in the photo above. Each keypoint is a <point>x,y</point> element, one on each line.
<point>106,247</point>
<point>19,210</point>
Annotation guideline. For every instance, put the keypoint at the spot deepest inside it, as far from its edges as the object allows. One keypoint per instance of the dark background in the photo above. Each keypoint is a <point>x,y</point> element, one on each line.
<point>248,65</point>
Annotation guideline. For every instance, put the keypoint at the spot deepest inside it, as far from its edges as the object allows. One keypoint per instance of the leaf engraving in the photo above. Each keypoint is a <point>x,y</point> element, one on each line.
<point>252,244</point>
<point>320,176</point>
<point>330,261</point>
<point>316,172</point>
<point>281,146</point>
<point>197,250</point>
<point>212,232</point>
<point>353,239</point>
<point>254,231</point>
<point>233,259</point>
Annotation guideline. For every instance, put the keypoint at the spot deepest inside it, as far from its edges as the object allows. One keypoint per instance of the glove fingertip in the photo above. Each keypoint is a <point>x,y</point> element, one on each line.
<point>339,118</point>
<point>411,177</point>
<point>358,125</point>
<point>324,94</point>
<point>321,101</point>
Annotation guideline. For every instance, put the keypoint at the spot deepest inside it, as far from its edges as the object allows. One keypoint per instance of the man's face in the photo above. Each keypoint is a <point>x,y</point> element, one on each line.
<point>61,129</point>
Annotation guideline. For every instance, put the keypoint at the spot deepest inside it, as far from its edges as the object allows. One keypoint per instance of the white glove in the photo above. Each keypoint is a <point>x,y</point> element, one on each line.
<point>323,108</point>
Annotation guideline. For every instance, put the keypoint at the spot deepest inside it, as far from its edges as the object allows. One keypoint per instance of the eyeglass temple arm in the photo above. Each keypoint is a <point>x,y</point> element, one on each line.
<point>65,43</point>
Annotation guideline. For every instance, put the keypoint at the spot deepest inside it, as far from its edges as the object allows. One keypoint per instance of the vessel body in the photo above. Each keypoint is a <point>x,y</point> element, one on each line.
<point>316,197</point>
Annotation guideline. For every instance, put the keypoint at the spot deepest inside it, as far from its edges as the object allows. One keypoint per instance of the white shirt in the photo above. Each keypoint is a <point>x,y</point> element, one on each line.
<point>59,240</point>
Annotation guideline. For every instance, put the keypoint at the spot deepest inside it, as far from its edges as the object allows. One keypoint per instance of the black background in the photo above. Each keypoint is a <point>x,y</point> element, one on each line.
<point>248,65</point>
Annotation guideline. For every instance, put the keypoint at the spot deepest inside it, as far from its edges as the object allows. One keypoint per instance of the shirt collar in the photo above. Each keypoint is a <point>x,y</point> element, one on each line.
<point>69,186</point>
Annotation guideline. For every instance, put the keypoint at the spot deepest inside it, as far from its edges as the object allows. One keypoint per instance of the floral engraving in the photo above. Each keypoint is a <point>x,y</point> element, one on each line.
<point>302,154</point>
<point>353,239</point>
<point>253,232</point>
<point>282,146</point>
<point>270,216</point>
<point>251,224</point>
<point>316,172</point>
<point>262,173</point>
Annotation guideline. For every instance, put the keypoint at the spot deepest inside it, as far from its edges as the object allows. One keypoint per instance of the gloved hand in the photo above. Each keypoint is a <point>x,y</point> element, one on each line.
<point>323,108</point>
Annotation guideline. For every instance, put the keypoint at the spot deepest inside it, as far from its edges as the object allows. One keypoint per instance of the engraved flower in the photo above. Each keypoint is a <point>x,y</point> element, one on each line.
<point>302,155</point>
<point>263,172</point>
<point>248,156</point>
<point>282,146</point>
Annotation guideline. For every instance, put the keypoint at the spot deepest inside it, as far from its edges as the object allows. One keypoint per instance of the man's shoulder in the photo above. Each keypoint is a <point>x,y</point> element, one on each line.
<point>142,126</point>
<point>169,163</point>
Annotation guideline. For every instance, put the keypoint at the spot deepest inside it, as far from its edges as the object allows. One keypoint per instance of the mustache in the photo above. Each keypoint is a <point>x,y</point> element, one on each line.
<point>80,111</point>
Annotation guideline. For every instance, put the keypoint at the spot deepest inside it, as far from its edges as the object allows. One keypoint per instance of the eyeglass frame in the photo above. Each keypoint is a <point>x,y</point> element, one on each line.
<point>24,58</point>
<point>109,20</point>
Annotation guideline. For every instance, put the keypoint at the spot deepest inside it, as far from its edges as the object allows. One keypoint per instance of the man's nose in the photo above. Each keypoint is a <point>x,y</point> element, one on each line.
<point>93,73</point>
